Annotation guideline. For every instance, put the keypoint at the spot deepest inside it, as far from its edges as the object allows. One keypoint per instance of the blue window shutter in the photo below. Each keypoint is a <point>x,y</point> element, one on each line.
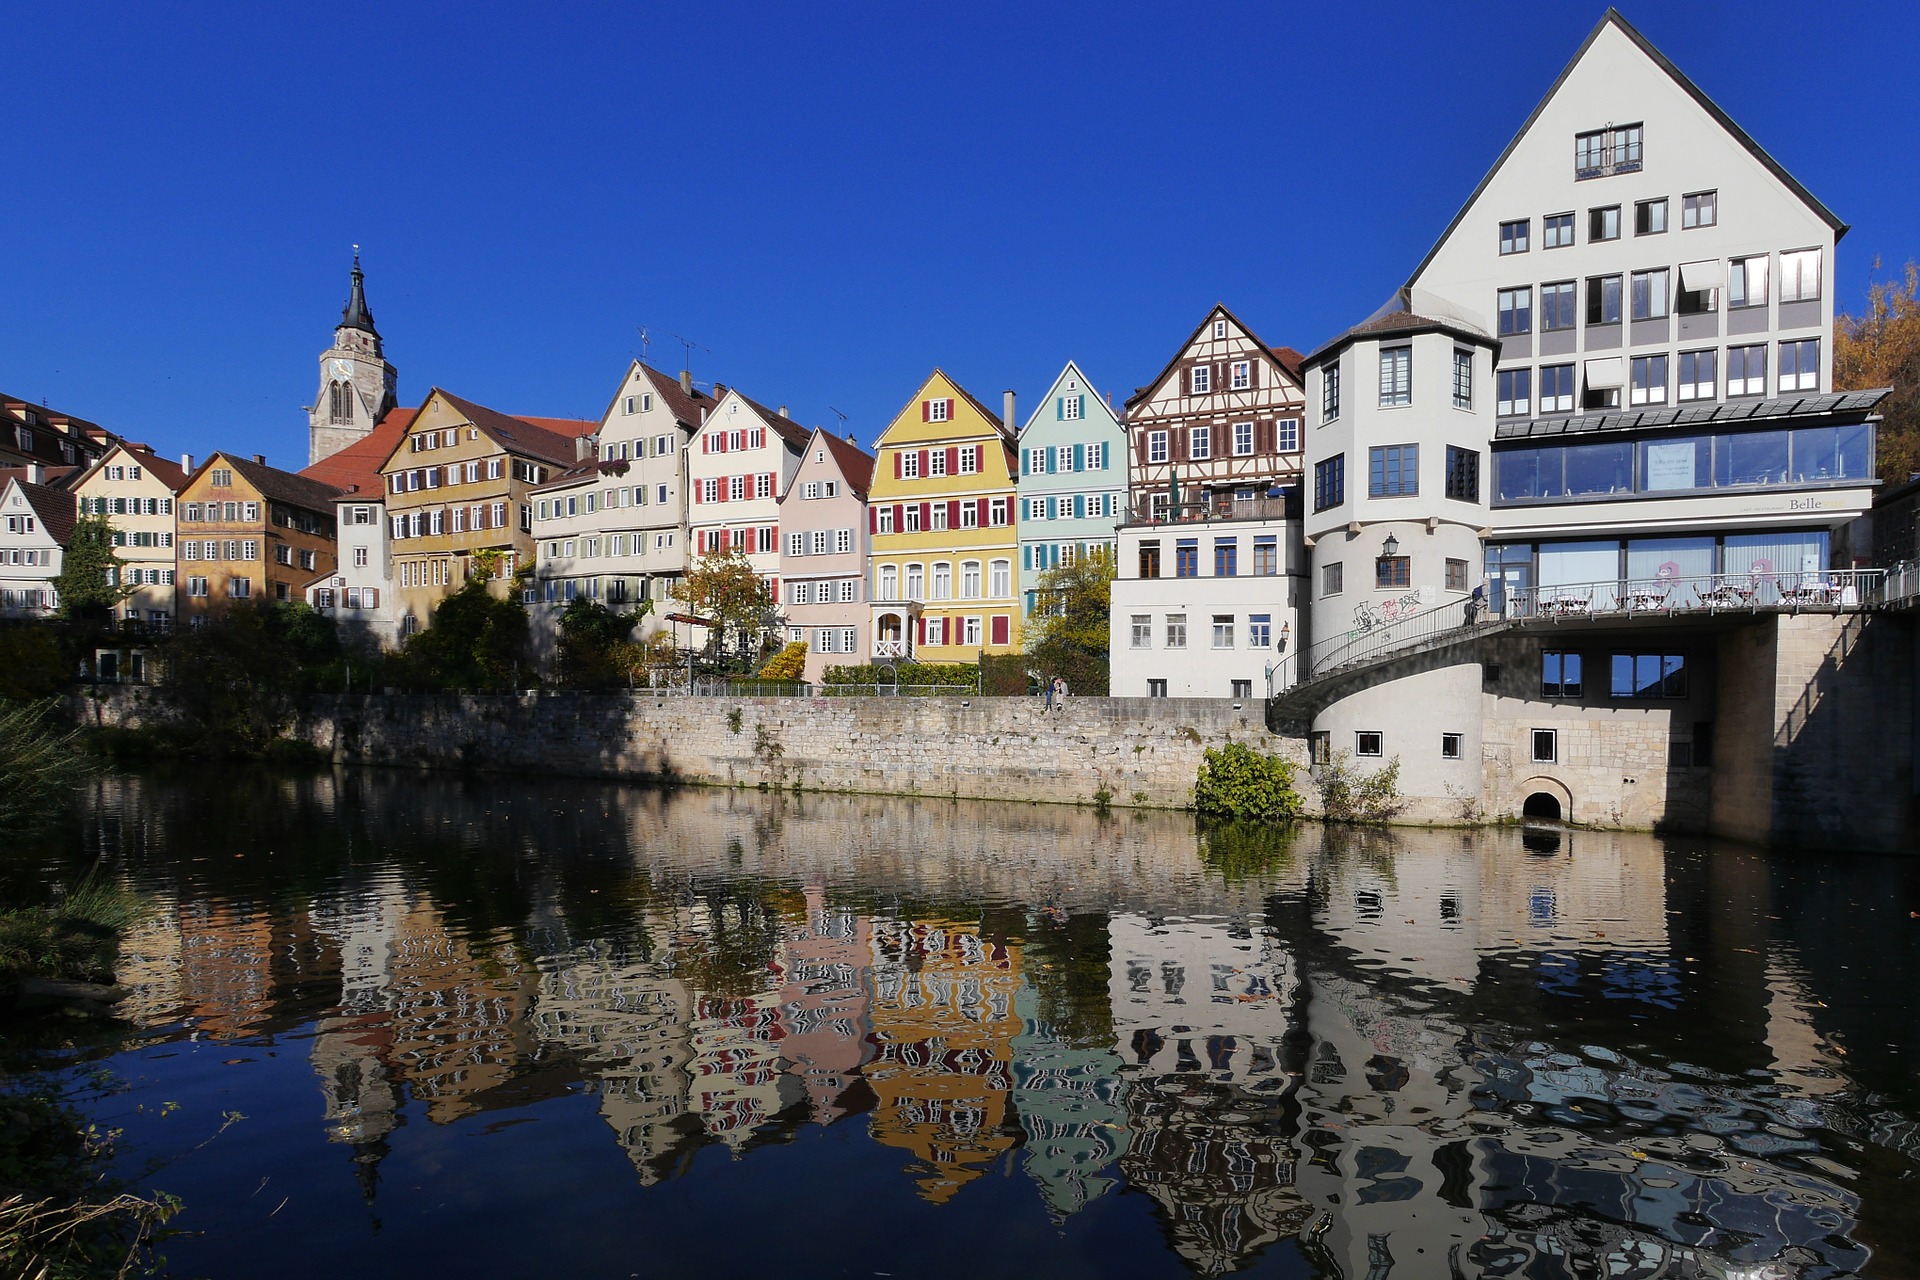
<point>1053,509</point>
<point>1026,557</point>
<point>1052,454</point>
<point>1079,506</point>
<point>1080,457</point>
<point>1060,409</point>
<point>1082,407</point>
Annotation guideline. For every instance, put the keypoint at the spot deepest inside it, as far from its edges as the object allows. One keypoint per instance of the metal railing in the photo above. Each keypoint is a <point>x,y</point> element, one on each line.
<point>1221,505</point>
<point>1702,593</point>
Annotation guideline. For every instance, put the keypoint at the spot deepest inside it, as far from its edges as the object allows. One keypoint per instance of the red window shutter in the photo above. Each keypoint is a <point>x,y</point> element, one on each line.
<point>926,411</point>
<point>920,626</point>
<point>983,513</point>
<point>896,464</point>
<point>1220,448</point>
<point>899,517</point>
<point>979,458</point>
<point>923,464</point>
<point>773,590</point>
<point>953,514</point>
<point>873,519</point>
<point>953,462</point>
<point>926,516</point>
<point>999,628</point>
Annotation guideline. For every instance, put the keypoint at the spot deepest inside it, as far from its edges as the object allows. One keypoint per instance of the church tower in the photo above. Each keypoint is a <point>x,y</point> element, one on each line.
<point>356,383</point>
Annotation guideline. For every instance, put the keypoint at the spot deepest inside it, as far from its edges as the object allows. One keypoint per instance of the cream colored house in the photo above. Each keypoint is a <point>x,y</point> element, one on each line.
<point>134,490</point>
<point>738,465</point>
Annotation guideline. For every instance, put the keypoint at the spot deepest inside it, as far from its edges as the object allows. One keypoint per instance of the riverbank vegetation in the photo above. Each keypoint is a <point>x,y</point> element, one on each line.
<point>1238,783</point>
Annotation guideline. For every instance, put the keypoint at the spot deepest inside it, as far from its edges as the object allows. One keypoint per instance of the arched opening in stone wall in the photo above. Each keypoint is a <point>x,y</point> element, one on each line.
<point>1542,804</point>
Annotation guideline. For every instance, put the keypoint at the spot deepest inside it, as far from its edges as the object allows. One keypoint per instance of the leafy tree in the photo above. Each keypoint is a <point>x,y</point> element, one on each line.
<point>31,665</point>
<point>1881,348</point>
<point>590,639</point>
<point>1237,782</point>
<point>477,642</point>
<point>788,664</point>
<point>1348,795</point>
<point>90,584</point>
<point>239,680</point>
<point>1068,634</point>
<point>722,585</point>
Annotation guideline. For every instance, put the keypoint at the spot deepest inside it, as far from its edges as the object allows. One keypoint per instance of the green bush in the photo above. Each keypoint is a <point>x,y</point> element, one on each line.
<point>1238,782</point>
<point>945,675</point>
<point>1348,795</point>
<point>31,665</point>
<point>788,664</point>
<point>1004,675</point>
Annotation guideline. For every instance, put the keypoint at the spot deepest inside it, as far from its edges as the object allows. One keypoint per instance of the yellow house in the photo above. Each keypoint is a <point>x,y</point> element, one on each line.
<point>944,545</point>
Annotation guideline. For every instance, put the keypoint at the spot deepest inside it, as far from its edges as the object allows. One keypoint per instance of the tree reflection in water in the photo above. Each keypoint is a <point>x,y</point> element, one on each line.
<point>1416,1053</point>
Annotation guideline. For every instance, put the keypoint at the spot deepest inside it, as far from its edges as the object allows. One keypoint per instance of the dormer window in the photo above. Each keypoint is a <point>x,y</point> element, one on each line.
<point>938,410</point>
<point>1219,330</point>
<point>1604,152</point>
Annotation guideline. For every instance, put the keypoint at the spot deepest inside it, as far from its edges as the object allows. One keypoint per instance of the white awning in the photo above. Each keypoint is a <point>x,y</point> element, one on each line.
<point>1607,374</point>
<point>1697,277</point>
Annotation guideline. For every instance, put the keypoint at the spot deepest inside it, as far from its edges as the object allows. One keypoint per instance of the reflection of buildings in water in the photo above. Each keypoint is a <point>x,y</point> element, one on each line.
<point>626,1023</point>
<point>827,963</point>
<point>150,965</point>
<point>736,1065</point>
<point>1067,1099</point>
<point>1217,1161</point>
<point>943,1026</point>
<point>352,1050</point>
<point>226,967</point>
<point>1205,995</point>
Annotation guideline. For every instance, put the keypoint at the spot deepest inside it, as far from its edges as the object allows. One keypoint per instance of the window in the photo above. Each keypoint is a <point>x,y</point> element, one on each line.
<point>1176,631</point>
<point>1516,311</point>
<point>1393,471</point>
<point>1698,380</point>
<point>1701,209</point>
<point>1650,294</point>
<point>1556,388</point>
<point>1001,583</point>
<point>282,553</point>
<point>1199,442</point>
<point>1463,474</point>
<point>1142,630</point>
<point>1266,556</point>
<point>1603,300</point>
<point>1392,572</point>
<point>222,478</point>
<point>1800,365</point>
<point>943,581</point>
<point>1513,236</point>
<point>1560,674</point>
<point>1557,306</point>
<point>1649,380</point>
<point>1456,575</point>
<point>359,557</point>
<point>1242,375</point>
<point>887,583</point>
<point>1242,439</point>
<point>1219,329</point>
<point>1513,391</point>
<point>1396,375</point>
<point>1800,276</point>
<point>1369,742</point>
<point>843,541</point>
<point>197,587</point>
<point>1546,746</point>
<point>1650,217</point>
<point>1747,371</point>
<point>1462,379</point>
<point>1556,231</point>
<point>937,462</point>
<point>1259,630</point>
<point>883,522</point>
<point>1156,446</point>
<point>997,516</point>
<point>1450,746</point>
<point>1332,579</point>
<point>1150,559</point>
<point>1330,482</point>
<point>1602,152</point>
<point>1156,688</point>
<point>1223,631</point>
<point>1287,435</point>
<point>240,588</point>
<point>1186,558</point>
<point>1747,282</point>
<point>1070,407</point>
<point>1603,224</point>
<point>1649,675</point>
<point>1201,376</point>
<point>1330,393</point>
<point>939,410</point>
<point>1226,557</point>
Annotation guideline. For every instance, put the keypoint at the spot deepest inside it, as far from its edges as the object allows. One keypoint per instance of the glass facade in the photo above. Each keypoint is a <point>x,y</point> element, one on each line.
<point>1682,464</point>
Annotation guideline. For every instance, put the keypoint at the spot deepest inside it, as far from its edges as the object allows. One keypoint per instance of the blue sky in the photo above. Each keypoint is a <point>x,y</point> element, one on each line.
<point>831,199</point>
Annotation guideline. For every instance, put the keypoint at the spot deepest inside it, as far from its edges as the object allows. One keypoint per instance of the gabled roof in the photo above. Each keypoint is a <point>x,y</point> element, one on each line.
<point>548,439</point>
<point>855,463</point>
<point>167,471</point>
<point>1612,18</point>
<point>52,477</point>
<point>784,427</point>
<point>1398,324</point>
<point>55,508</point>
<point>685,405</point>
<point>273,483</point>
<point>1073,368</point>
<point>1286,357</point>
<point>50,426</point>
<point>356,468</point>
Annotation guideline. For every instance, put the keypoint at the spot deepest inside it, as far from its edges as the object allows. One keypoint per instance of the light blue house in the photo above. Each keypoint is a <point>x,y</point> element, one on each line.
<point>1073,478</point>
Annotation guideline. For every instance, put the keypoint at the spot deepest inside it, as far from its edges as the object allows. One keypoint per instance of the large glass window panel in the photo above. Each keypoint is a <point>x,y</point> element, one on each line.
<point>1599,468</point>
<point>1668,572</point>
<point>1523,474</point>
<point>1771,561</point>
<point>1758,457</point>
<point>1684,462</point>
<point>1582,570</point>
<point>1557,305</point>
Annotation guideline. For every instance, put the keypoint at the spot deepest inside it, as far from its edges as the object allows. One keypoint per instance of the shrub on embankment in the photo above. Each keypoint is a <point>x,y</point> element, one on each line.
<point>1237,782</point>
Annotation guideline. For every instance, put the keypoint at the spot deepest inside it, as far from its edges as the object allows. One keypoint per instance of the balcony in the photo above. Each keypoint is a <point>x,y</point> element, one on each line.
<point>1226,505</point>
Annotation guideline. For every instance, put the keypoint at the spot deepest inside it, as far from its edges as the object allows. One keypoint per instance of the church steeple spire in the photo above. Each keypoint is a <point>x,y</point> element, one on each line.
<point>356,315</point>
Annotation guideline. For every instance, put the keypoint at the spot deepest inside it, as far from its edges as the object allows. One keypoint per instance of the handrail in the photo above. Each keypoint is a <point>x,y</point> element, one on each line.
<point>1709,593</point>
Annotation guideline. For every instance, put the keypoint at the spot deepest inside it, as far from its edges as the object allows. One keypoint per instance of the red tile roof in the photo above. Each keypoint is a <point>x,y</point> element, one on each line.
<point>55,507</point>
<point>356,468</point>
<point>855,463</point>
<point>548,439</point>
<point>283,486</point>
<point>52,477</point>
<point>686,406</point>
<point>167,471</point>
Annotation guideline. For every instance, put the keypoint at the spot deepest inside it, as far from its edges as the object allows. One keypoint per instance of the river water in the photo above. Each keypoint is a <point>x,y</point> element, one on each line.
<point>486,1026</point>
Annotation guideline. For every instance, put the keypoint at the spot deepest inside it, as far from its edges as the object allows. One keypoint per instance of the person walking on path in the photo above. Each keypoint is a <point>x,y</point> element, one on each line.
<point>1050,687</point>
<point>1059,693</point>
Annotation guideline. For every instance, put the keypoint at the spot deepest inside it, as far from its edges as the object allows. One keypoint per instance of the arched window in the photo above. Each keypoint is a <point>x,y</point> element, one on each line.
<point>339,403</point>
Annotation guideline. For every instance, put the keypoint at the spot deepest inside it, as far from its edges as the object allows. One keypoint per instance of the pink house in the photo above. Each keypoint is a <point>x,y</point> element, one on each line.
<point>823,552</point>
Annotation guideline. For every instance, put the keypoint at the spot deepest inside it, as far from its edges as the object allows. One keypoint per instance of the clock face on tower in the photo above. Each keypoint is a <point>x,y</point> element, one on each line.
<point>342,369</point>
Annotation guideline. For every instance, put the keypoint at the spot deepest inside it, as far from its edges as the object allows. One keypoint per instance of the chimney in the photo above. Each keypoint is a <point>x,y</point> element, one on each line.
<point>260,458</point>
<point>34,473</point>
<point>585,447</point>
<point>186,463</point>
<point>783,411</point>
<point>686,382</point>
<point>1007,398</point>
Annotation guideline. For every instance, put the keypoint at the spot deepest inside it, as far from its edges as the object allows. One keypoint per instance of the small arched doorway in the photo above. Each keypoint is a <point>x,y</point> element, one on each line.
<point>1544,805</point>
<point>1544,799</point>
